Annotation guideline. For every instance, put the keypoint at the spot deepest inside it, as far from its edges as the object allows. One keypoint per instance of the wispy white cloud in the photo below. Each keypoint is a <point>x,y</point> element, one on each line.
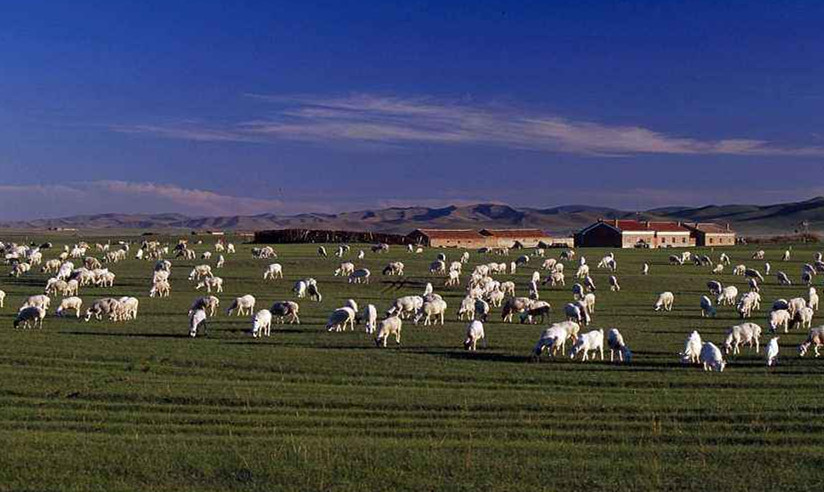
<point>400,121</point>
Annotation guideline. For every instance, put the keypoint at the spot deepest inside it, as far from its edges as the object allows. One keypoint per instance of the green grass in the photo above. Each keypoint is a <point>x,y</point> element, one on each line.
<point>139,405</point>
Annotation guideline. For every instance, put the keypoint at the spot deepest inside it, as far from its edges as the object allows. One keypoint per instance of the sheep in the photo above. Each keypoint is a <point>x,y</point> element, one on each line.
<point>127,308</point>
<point>345,268</point>
<point>361,255</point>
<point>340,318</point>
<point>739,269</point>
<point>273,271</point>
<point>588,342</point>
<point>514,305</point>
<point>767,268</point>
<point>467,308</point>
<point>753,283</point>
<point>68,303</point>
<point>434,308</point>
<point>778,318</point>
<point>495,297</point>
<point>806,279</point>
<point>583,271</point>
<point>692,349</point>
<point>795,304</point>
<point>394,268</point>
<point>553,339</point>
<point>645,269</point>
<point>242,305</point>
<point>200,271</point>
<point>812,303</point>
<point>508,288</point>
<point>665,301</point>
<point>675,260</point>
<point>286,310</point>
<point>615,342</point>
<point>746,333</point>
<point>101,307</point>
<point>783,279</point>
<point>161,288</point>
<point>262,323</point>
<point>772,351</point>
<point>589,284</point>
<point>481,311</point>
<point>41,301</point>
<point>474,332</point>
<point>533,291</point>
<point>815,339</point>
<point>707,308</point>
<point>30,317</point>
<point>613,284</point>
<point>711,358</point>
<point>577,312</point>
<point>300,288</point>
<point>746,304</point>
<point>719,268</point>
<point>314,293</point>
<point>727,296</point>
<point>589,302</point>
<point>405,305</point>
<point>714,287</point>
<point>753,273</point>
<point>2,299</point>
<point>360,276</point>
<point>197,319</point>
<point>352,304</point>
<point>51,266</point>
<point>803,317</point>
<point>322,252</point>
<point>538,309</point>
<point>437,266</point>
<point>210,283</point>
<point>453,279</point>
<point>207,302</point>
<point>724,259</point>
<point>390,326</point>
<point>370,314</point>
<point>577,291</point>
<point>758,255</point>
<point>263,253</point>
<point>549,263</point>
<point>380,248</point>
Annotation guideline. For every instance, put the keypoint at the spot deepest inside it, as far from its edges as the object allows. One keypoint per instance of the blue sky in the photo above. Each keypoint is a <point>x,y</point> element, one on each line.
<point>212,108</point>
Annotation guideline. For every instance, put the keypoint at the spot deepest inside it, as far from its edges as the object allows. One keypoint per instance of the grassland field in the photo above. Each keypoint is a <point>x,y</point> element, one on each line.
<point>140,405</point>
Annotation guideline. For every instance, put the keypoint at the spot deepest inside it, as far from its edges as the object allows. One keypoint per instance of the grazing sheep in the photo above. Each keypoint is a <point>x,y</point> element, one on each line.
<point>538,309</point>
<point>31,317</point>
<point>514,305</point>
<point>724,259</point>
<point>583,271</point>
<point>783,279</point>
<point>361,254</point>
<point>778,318</point>
<point>340,318</point>
<point>314,293</point>
<point>322,252</point>
<point>812,303</point>
<point>107,306</point>
<point>692,349</point>
<point>467,308</point>
<point>645,269</point>
<point>772,351</point>
<point>273,271</point>
<point>665,301</point>
<point>481,310</point>
<point>437,266</point>
<point>758,255</point>
<point>613,284</point>
<point>262,323</point>
<point>743,334</point>
<point>242,305</point>
<point>380,248</point>
<point>806,278</point>
<point>360,276</point>
<point>286,310</point>
<point>780,304</point>
<point>578,291</point>
<point>577,312</point>
<point>767,268</point>
<point>803,317</point>
<point>753,273</point>
<point>207,302</point>
<point>615,342</point>
<point>474,332</point>
<point>127,308</point>
<point>719,268</point>
<point>453,279</point>
<point>200,271</point>
<point>739,269</point>
<point>588,342</point>
<point>160,288</point>
<point>746,304</point>
<point>41,301</point>
<point>434,308</point>
<point>707,308</point>
<point>815,339</point>
<point>795,304</point>
<point>675,260</point>
<point>370,314</point>
<point>394,268</point>
<point>711,358</point>
<point>753,283</point>
<point>210,283</point>
<point>727,296</point>
<point>390,326</point>
<point>405,306</point>
<point>345,268</point>
<point>2,299</point>
<point>553,339</point>
<point>589,284</point>
<point>715,287</point>
<point>197,319</point>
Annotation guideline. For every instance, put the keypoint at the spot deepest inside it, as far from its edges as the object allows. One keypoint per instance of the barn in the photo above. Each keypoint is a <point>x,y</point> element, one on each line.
<point>635,234</point>
<point>447,238</point>
<point>710,234</point>
<point>508,238</point>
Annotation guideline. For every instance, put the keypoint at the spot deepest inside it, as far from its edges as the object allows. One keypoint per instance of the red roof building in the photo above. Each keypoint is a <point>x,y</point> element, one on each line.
<point>617,233</point>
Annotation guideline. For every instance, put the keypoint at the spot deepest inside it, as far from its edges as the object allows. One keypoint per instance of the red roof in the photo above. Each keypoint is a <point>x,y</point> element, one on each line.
<point>636,225</point>
<point>711,228</point>
<point>514,233</point>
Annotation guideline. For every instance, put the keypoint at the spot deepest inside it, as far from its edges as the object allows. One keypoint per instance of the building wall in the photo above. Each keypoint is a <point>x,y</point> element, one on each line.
<point>459,243</point>
<point>715,239</point>
<point>630,239</point>
<point>600,236</point>
<point>674,240</point>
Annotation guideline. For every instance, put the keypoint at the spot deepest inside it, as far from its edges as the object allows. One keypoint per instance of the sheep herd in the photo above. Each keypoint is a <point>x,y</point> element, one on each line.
<point>76,267</point>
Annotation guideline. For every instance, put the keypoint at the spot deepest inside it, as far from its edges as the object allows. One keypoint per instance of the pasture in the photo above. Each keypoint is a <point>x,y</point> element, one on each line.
<point>140,405</point>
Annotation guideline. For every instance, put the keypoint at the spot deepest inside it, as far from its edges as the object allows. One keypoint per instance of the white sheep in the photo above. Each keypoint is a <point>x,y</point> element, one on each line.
<point>262,323</point>
<point>200,271</point>
<point>815,339</point>
<point>210,283</point>
<point>743,334</point>
<point>394,268</point>
<point>437,266</point>
<point>778,318</point>
<point>207,302</point>
<point>370,314</point>
<point>340,318</point>
<point>322,252</point>
<point>42,301</point>
<point>772,351</point>
<point>712,358</point>
<point>692,349</point>
<point>360,276</point>
<point>2,299</point>
<point>345,268</point>
<point>707,308</point>
<point>406,305</point>
<point>160,288</point>
<point>242,305</point>
<point>803,317</point>
<point>286,310</point>
<point>197,319</point>
<point>431,309</point>
<point>553,339</point>
<point>727,296</point>
<point>390,326</point>
<point>812,302</point>
<point>273,271</point>
<point>645,269</point>
<point>474,332</point>
<point>30,317</point>
<point>590,341</point>
<point>615,342</point>
<point>613,284</point>
<point>719,268</point>
<point>665,301</point>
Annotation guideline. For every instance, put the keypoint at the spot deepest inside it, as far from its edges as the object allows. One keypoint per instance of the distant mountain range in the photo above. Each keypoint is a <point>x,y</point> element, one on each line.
<point>782,218</point>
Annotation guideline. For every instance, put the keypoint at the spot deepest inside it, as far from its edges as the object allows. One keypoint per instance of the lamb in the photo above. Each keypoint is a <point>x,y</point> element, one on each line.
<point>615,342</point>
<point>474,332</point>
<point>778,318</point>
<point>370,314</point>
<point>745,305</point>
<point>815,339</point>
<point>210,283</point>
<point>465,257</point>
<point>30,317</point>
<point>262,323</point>
<point>589,302</point>
<point>743,334</point>
<point>494,297</point>
<point>127,308</point>
<point>549,263</point>
<point>577,312</point>
<point>196,320</point>
<point>340,318</point>
<point>434,308</point>
<point>200,271</point>
<point>727,296</point>
<point>360,276</point>
<point>242,305</point>
<point>665,301</point>
<point>711,358</point>
<point>51,266</point>
<point>286,310</point>
<point>772,352</point>
<point>783,279</point>
<point>210,303</point>
<point>588,342</point>
<point>803,317</point>
<point>394,268</point>
<point>578,291</point>
<point>706,307</point>
<point>692,349</point>
<point>390,326</point>
<point>273,271</point>
<point>207,255</point>
<point>613,284</point>
<point>345,268</point>
<point>589,284</point>
<point>508,288</point>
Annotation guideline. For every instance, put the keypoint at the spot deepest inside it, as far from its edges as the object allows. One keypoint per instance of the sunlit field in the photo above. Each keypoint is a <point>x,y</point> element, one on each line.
<point>118,406</point>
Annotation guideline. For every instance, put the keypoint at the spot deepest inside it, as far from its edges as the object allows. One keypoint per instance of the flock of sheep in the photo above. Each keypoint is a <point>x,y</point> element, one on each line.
<point>483,292</point>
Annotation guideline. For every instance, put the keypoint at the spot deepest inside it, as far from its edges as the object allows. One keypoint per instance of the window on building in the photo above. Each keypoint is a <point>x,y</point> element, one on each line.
<point>711,240</point>
<point>683,240</point>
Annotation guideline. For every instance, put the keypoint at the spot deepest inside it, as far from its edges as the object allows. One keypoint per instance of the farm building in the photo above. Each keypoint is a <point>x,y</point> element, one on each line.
<point>635,234</point>
<point>448,238</point>
<point>710,234</point>
<point>508,238</point>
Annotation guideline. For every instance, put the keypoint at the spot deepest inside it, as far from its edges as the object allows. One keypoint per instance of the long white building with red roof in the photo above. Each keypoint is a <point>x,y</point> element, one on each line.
<point>618,233</point>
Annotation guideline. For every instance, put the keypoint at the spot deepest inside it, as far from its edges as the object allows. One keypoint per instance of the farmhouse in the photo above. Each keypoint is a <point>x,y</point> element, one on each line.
<point>709,234</point>
<point>635,234</point>
<point>448,238</point>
